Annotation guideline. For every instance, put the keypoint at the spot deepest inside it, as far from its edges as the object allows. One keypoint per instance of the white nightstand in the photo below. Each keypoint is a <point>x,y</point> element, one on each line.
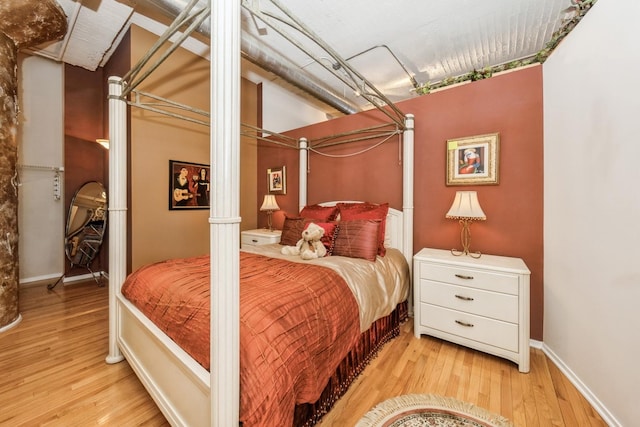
<point>479,303</point>
<point>260,236</point>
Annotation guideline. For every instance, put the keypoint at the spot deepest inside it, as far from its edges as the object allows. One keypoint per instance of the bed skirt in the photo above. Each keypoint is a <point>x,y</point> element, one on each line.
<point>370,342</point>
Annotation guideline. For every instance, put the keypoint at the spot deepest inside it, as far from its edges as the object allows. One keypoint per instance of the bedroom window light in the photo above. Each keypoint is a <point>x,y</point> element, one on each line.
<point>466,209</point>
<point>269,205</point>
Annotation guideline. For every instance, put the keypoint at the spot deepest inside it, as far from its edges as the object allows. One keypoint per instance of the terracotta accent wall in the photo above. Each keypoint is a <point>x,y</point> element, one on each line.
<point>84,159</point>
<point>510,104</point>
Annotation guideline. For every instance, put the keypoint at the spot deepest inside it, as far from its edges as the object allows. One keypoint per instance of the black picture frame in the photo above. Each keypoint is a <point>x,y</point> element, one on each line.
<point>188,188</point>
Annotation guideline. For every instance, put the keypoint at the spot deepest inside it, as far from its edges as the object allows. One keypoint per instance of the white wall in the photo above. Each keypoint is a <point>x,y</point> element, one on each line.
<point>283,111</point>
<point>592,207</point>
<point>40,143</point>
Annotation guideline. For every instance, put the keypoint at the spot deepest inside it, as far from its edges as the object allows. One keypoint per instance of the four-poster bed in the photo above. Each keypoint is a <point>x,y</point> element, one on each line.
<point>186,391</point>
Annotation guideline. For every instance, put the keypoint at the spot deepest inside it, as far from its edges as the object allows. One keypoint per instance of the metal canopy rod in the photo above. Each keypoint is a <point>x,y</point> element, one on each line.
<point>279,135</point>
<point>374,98</point>
<point>362,138</point>
<point>201,15</point>
<point>354,132</point>
<point>170,31</point>
<point>267,58</point>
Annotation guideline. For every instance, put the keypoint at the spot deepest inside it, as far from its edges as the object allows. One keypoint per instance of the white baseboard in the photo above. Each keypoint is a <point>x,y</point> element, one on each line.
<point>83,277</point>
<point>43,278</point>
<point>51,278</point>
<point>581,387</point>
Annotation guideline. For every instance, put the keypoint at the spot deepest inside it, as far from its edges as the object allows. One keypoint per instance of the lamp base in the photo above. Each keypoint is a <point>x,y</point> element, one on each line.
<point>269,220</point>
<point>471,254</point>
<point>465,238</point>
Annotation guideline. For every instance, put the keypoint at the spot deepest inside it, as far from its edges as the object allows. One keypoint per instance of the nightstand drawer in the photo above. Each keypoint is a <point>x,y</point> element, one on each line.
<point>481,329</point>
<point>488,280</point>
<point>470,300</point>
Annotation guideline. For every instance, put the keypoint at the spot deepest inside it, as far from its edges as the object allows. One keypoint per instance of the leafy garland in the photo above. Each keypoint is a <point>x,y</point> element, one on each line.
<point>581,6</point>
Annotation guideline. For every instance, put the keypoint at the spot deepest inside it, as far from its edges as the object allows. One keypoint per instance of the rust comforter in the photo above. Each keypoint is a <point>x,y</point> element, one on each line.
<point>297,322</point>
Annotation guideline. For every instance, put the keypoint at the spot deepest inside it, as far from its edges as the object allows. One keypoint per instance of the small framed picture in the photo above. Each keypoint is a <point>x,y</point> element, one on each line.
<point>277,180</point>
<point>189,185</point>
<point>473,160</point>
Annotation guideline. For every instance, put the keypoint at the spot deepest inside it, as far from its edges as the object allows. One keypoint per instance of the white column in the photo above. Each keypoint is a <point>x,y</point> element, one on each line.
<point>302,180</point>
<point>117,202</point>
<point>407,193</point>
<point>224,218</point>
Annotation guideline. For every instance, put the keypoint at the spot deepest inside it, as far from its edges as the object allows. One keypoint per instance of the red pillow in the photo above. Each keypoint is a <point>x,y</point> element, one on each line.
<point>357,239</point>
<point>329,236</point>
<point>351,211</point>
<point>292,230</point>
<point>321,213</point>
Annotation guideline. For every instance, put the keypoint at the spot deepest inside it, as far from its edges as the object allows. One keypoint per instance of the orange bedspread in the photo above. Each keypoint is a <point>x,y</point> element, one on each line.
<point>297,322</point>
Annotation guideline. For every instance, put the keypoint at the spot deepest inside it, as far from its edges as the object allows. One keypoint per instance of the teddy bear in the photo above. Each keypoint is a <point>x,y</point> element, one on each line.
<point>309,246</point>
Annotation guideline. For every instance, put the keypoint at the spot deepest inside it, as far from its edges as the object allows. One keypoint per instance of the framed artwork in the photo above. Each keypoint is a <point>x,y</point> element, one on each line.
<point>189,185</point>
<point>473,160</point>
<point>277,180</point>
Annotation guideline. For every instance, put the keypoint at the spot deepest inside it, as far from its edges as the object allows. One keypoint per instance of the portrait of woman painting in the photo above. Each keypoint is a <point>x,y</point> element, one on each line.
<point>189,185</point>
<point>473,160</point>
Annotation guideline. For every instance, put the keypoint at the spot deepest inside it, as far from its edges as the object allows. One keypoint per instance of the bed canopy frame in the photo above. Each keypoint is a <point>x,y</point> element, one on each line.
<point>224,216</point>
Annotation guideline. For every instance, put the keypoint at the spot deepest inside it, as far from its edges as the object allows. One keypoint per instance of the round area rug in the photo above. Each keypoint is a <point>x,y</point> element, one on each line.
<point>421,410</point>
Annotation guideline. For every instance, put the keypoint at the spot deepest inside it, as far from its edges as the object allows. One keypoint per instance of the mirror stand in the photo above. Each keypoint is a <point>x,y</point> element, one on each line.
<point>86,224</point>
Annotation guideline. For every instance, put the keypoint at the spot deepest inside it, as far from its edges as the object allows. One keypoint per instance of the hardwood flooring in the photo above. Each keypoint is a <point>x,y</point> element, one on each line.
<point>53,373</point>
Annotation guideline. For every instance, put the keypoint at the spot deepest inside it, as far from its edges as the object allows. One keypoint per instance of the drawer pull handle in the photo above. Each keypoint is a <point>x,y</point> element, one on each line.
<point>254,240</point>
<point>462,276</point>
<point>462,297</point>
<point>468,325</point>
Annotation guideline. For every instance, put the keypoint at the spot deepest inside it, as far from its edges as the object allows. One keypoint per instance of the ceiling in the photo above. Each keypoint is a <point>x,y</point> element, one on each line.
<point>391,50</point>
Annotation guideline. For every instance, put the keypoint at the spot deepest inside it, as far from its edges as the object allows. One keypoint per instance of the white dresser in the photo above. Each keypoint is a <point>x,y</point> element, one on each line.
<point>260,236</point>
<point>479,303</point>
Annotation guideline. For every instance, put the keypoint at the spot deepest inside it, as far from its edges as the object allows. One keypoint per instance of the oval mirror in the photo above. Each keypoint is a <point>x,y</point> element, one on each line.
<point>86,223</point>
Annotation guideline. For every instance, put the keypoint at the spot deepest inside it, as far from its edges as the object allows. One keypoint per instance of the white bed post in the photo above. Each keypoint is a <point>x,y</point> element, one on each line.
<point>224,213</point>
<point>117,203</point>
<point>407,195</point>
<point>304,159</point>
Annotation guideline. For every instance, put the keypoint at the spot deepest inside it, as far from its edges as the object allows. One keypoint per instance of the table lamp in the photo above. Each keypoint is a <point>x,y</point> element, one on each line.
<point>466,209</point>
<point>269,205</point>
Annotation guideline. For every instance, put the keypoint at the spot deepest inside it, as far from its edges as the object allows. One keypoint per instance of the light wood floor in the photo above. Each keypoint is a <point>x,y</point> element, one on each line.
<point>53,373</point>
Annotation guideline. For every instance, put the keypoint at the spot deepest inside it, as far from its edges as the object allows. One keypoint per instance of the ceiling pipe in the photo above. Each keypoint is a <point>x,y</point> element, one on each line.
<point>264,57</point>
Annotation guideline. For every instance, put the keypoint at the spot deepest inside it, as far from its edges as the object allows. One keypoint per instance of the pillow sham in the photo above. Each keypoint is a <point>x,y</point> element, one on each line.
<point>352,211</point>
<point>357,239</point>
<point>292,230</point>
<point>321,213</point>
<point>329,237</point>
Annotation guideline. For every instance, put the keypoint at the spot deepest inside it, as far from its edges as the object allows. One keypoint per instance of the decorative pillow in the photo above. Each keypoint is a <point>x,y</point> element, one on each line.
<point>351,211</point>
<point>329,237</point>
<point>292,230</point>
<point>321,213</point>
<point>357,239</point>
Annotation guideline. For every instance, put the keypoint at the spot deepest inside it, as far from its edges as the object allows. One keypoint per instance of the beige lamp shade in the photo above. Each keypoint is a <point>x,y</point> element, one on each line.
<point>466,206</point>
<point>269,203</point>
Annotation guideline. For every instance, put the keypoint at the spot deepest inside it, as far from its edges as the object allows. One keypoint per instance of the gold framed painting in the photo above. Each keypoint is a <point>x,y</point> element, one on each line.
<point>277,180</point>
<point>473,160</point>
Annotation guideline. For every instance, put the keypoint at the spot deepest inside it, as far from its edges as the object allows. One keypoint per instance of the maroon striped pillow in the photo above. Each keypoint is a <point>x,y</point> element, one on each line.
<point>357,239</point>
<point>367,211</point>
<point>292,230</point>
